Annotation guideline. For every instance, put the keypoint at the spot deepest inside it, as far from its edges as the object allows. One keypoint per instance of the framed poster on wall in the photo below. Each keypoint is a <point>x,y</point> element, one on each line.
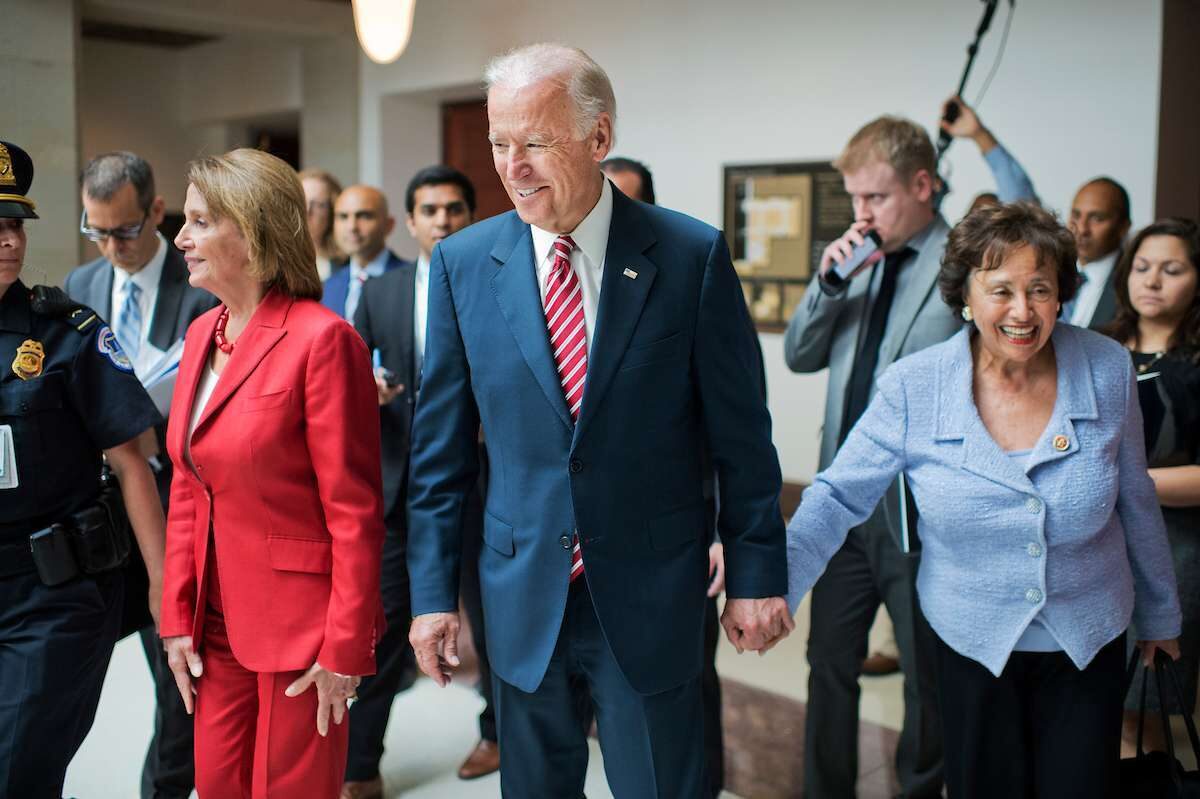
<point>778,220</point>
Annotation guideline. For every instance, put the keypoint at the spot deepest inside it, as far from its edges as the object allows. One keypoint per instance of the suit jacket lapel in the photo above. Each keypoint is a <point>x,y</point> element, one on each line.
<point>621,300</point>
<point>515,287</point>
<point>100,292</point>
<point>167,307</point>
<point>923,282</point>
<point>191,366</point>
<point>260,336</point>
<point>1076,399</point>
<point>403,300</point>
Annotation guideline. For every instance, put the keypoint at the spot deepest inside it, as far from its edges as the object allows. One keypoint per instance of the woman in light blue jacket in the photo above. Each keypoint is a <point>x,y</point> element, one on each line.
<point>1021,442</point>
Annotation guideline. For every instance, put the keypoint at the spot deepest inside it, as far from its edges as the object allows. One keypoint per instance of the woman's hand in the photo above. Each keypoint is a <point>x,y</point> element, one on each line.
<point>185,665</point>
<point>1170,648</point>
<point>333,691</point>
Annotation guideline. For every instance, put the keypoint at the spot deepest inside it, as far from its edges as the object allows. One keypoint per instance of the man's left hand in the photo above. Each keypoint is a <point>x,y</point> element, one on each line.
<point>756,624</point>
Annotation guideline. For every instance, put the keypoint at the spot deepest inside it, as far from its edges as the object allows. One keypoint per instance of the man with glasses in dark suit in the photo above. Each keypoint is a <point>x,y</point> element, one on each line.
<point>140,285</point>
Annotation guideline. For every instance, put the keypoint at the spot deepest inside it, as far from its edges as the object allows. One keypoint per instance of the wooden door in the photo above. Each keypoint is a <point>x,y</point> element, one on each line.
<point>465,147</point>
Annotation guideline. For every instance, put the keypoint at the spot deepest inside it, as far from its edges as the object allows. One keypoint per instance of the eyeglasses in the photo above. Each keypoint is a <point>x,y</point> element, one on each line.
<point>123,233</point>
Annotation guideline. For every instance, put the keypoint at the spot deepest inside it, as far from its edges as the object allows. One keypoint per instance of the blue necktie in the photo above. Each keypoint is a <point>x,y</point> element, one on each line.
<point>129,323</point>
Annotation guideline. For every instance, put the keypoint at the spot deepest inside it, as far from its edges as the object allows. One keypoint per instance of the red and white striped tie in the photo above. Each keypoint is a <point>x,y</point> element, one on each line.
<point>568,339</point>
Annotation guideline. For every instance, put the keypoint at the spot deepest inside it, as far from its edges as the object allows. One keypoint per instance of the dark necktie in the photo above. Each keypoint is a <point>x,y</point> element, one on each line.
<point>858,393</point>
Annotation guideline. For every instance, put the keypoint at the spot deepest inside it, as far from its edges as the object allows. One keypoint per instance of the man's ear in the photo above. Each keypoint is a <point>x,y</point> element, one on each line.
<point>602,137</point>
<point>158,209</point>
<point>922,185</point>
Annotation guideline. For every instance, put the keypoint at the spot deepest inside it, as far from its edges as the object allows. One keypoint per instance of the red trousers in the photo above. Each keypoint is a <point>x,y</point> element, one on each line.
<point>252,742</point>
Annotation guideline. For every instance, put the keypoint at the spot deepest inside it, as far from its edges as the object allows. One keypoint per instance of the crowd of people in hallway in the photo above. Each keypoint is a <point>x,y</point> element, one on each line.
<point>285,457</point>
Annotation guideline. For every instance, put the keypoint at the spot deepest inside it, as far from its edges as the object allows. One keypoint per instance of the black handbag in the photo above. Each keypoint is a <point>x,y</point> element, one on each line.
<point>1159,775</point>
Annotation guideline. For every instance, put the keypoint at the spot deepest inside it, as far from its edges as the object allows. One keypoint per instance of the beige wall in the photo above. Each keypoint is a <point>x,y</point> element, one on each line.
<point>39,61</point>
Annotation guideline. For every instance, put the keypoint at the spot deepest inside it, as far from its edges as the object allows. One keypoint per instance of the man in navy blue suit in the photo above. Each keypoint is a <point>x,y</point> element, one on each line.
<point>603,345</point>
<point>361,225</point>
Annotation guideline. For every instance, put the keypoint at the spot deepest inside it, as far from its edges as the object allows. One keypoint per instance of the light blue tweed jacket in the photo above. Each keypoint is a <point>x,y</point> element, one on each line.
<point>1076,535</point>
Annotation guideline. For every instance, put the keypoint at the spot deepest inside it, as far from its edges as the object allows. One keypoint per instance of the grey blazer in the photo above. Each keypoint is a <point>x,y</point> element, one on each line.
<point>1074,533</point>
<point>825,331</point>
<point>177,305</point>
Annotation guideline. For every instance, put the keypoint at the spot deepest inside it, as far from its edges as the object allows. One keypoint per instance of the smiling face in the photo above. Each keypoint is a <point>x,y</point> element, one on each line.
<point>12,251</point>
<point>897,209</point>
<point>551,174</point>
<point>215,250</point>
<point>1015,305</point>
<point>1163,280</point>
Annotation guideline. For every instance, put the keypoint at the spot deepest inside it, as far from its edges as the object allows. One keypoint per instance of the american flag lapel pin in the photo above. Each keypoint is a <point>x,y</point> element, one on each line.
<point>629,273</point>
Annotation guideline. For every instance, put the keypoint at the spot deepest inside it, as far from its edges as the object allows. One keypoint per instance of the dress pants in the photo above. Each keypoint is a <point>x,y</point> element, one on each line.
<point>652,745</point>
<point>867,569</point>
<point>168,771</point>
<point>55,644</point>
<point>710,691</point>
<point>252,742</point>
<point>394,664</point>
<point>1043,729</point>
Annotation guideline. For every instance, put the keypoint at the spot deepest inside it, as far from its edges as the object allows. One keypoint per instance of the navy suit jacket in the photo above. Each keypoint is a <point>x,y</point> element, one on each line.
<point>673,368</point>
<point>337,285</point>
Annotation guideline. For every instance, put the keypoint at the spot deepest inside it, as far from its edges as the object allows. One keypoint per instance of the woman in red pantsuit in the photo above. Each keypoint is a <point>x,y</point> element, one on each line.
<point>271,604</point>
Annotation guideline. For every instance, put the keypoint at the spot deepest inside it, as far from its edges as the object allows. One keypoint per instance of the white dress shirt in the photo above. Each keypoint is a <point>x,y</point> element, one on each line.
<point>1097,274</point>
<point>146,279</point>
<point>587,259</point>
<point>420,309</point>
<point>358,275</point>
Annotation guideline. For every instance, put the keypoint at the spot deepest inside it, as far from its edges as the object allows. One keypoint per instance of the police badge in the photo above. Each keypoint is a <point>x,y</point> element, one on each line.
<point>28,363</point>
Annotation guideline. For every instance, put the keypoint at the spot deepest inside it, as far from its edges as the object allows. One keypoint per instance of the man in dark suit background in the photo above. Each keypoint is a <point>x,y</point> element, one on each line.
<point>140,285</point>
<point>603,344</point>
<point>1099,220</point>
<point>391,317</point>
<point>361,225</point>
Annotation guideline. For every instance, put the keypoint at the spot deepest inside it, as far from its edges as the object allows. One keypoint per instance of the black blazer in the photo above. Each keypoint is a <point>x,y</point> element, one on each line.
<point>177,304</point>
<point>384,319</point>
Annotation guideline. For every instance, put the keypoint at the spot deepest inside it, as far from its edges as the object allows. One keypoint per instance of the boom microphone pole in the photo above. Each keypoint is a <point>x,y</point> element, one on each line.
<point>952,111</point>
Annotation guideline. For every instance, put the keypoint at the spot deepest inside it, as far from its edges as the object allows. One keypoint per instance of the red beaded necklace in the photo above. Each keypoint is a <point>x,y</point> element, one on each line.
<point>219,333</point>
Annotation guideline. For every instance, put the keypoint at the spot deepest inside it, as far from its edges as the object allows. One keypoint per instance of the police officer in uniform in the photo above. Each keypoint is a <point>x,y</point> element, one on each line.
<point>68,401</point>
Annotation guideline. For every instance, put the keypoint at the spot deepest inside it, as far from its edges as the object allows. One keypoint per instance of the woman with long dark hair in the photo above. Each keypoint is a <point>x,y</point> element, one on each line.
<point>1158,320</point>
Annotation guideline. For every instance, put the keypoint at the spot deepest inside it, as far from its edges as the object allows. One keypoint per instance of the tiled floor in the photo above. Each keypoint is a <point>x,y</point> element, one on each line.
<point>433,729</point>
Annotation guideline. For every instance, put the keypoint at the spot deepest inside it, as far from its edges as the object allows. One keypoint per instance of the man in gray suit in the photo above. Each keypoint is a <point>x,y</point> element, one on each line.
<point>140,285</point>
<point>856,328</point>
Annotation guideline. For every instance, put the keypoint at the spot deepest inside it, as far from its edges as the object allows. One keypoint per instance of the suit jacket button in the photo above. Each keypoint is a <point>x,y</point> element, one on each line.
<point>576,466</point>
<point>565,541</point>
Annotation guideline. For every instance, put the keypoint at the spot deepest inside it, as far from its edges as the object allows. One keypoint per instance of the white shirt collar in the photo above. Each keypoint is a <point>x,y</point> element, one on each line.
<point>1099,269</point>
<point>422,265</point>
<point>148,276</point>
<point>376,267</point>
<point>590,235</point>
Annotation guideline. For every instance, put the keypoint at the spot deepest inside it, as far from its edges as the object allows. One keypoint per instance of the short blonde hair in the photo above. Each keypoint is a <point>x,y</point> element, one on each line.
<point>896,141</point>
<point>262,195</point>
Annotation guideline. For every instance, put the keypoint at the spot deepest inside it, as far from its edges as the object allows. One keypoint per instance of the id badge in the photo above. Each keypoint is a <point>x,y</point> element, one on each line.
<point>8,458</point>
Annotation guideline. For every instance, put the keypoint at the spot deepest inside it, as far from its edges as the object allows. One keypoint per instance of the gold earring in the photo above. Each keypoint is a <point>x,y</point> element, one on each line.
<point>966,313</point>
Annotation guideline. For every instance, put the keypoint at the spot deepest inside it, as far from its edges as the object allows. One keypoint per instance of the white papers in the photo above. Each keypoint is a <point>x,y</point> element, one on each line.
<point>8,458</point>
<point>159,379</point>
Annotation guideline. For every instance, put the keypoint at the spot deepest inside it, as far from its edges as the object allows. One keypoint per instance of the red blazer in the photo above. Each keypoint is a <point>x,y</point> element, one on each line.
<point>287,468</point>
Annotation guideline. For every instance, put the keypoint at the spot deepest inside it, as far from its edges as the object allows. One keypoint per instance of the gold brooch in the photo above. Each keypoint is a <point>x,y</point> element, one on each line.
<point>1061,443</point>
<point>28,363</point>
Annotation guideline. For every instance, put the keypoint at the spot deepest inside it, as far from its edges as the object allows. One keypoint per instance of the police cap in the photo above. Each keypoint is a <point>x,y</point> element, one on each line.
<point>16,176</point>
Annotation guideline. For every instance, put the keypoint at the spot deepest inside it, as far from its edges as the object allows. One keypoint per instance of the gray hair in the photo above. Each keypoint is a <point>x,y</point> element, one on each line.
<point>106,174</point>
<point>585,82</point>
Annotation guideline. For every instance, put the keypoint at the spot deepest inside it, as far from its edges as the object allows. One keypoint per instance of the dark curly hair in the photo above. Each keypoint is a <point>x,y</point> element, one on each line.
<point>984,238</point>
<point>1124,326</point>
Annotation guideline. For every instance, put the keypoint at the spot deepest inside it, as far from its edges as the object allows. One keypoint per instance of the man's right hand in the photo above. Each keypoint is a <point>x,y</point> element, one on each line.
<point>840,249</point>
<point>185,665</point>
<point>434,639</point>
<point>386,393</point>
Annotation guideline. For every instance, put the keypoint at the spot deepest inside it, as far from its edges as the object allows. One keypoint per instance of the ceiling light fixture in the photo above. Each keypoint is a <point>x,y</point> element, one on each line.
<point>384,27</point>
